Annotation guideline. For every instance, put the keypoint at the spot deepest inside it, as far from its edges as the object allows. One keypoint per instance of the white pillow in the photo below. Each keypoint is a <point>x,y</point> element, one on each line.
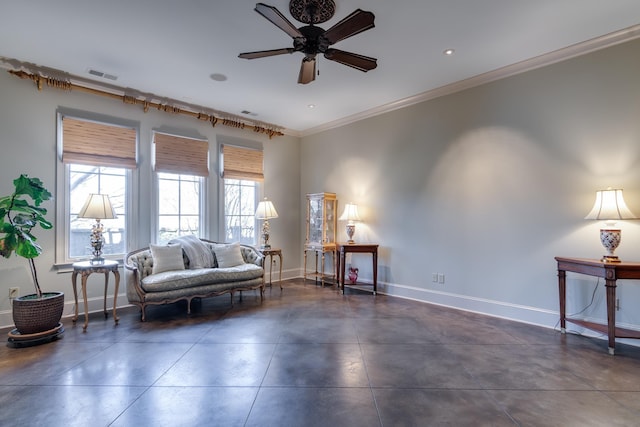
<point>166,258</point>
<point>228,255</point>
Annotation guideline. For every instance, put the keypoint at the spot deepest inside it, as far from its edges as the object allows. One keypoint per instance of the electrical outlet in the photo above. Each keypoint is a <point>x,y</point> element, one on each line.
<point>440,278</point>
<point>434,277</point>
<point>14,293</point>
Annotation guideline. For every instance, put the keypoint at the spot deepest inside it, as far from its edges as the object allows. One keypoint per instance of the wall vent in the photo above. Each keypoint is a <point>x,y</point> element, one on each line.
<point>104,75</point>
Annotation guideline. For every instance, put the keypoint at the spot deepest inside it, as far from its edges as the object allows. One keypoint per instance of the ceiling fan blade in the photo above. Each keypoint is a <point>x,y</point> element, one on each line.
<point>359,62</point>
<point>353,24</point>
<point>307,70</point>
<point>278,19</point>
<point>265,53</point>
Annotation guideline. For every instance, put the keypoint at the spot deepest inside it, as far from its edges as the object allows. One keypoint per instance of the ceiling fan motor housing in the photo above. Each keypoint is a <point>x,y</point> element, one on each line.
<point>313,42</point>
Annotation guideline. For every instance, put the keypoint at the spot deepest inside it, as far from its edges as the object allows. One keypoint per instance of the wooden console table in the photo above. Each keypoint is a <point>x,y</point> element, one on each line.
<point>610,272</point>
<point>344,248</point>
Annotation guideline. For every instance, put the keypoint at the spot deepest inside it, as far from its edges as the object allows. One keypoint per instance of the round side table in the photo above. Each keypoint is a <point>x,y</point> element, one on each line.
<point>86,268</point>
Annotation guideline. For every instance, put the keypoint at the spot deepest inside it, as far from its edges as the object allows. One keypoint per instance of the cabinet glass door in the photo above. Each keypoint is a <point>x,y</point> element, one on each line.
<point>315,220</point>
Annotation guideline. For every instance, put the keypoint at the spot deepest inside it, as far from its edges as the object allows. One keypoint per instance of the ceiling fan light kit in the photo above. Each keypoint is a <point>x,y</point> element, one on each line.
<point>312,40</point>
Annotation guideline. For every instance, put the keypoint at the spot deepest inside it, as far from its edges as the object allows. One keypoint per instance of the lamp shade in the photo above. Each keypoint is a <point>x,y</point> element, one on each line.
<point>610,206</point>
<point>266,210</point>
<point>97,206</point>
<point>350,213</point>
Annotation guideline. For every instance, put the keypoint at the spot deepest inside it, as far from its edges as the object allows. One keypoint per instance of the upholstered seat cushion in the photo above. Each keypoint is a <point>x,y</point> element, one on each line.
<point>172,280</point>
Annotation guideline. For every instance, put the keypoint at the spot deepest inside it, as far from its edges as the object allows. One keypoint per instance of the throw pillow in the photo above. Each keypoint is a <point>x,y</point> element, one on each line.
<point>228,255</point>
<point>197,251</point>
<point>166,258</point>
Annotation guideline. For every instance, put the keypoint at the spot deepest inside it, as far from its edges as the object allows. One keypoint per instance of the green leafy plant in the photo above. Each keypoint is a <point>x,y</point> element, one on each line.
<point>20,212</point>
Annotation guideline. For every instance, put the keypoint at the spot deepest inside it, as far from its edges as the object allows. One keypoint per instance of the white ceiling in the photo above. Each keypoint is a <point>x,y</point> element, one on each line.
<point>171,48</point>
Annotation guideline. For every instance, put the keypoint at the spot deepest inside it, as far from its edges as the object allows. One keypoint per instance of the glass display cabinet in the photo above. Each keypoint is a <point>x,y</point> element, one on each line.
<point>322,221</point>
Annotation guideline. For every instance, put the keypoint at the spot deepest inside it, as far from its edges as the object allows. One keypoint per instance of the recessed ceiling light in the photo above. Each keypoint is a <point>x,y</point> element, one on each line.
<point>311,106</point>
<point>218,77</point>
<point>449,52</point>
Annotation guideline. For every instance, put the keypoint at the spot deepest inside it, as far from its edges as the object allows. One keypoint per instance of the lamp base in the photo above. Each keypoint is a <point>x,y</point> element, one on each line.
<point>610,239</point>
<point>351,229</point>
<point>265,242</point>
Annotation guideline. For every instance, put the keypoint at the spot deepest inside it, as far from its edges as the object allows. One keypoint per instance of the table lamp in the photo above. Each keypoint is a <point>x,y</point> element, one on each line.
<point>350,215</point>
<point>97,206</point>
<point>610,207</point>
<point>265,212</point>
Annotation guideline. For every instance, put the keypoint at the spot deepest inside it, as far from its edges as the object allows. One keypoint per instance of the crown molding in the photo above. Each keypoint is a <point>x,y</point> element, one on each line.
<point>578,49</point>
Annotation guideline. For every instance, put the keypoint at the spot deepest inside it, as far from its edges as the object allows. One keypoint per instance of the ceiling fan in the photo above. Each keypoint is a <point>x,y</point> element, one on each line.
<point>312,40</point>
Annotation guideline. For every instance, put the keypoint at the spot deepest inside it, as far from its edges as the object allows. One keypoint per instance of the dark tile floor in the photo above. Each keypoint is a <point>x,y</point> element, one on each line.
<point>309,356</point>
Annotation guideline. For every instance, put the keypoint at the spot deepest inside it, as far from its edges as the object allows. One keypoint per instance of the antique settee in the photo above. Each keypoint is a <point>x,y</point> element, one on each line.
<point>189,268</point>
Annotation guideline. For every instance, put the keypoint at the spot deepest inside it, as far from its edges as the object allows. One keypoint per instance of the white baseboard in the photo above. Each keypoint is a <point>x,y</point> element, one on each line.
<point>520,313</point>
<point>516,312</point>
<point>96,304</point>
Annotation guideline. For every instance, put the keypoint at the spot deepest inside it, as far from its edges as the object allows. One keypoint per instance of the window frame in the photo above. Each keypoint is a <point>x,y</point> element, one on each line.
<point>259,184</point>
<point>204,183</point>
<point>63,203</point>
<point>257,197</point>
<point>204,209</point>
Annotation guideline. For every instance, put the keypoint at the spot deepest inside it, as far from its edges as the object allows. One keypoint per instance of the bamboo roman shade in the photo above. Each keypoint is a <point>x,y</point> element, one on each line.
<point>176,154</point>
<point>98,144</point>
<point>242,163</point>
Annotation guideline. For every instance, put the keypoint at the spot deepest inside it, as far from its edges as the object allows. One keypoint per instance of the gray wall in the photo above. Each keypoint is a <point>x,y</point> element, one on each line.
<point>487,185</point>
<point>28,145</point>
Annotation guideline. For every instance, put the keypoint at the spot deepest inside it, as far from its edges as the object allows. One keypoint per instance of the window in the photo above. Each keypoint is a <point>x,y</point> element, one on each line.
<point>181,165</point>
<point>96,157</point>
<point>239,211</point>
<point>179,207</point>
<point>242,172</point>
<point>84,180</point>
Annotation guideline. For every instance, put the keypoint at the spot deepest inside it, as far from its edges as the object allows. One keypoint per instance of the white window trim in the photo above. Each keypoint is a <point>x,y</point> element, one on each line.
<point>204,208</point>
<point>223,221</point>
<point>238,142</point>
<point>205,212</point>
<point>62,261</point>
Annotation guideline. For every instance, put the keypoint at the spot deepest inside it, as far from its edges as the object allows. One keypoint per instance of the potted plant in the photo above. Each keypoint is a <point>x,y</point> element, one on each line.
<point>20,212</point>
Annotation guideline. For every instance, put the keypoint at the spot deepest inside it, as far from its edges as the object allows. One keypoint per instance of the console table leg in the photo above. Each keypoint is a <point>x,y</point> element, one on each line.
<point>611,313</point>
<point>562,287</point>
<point>305,267</point>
